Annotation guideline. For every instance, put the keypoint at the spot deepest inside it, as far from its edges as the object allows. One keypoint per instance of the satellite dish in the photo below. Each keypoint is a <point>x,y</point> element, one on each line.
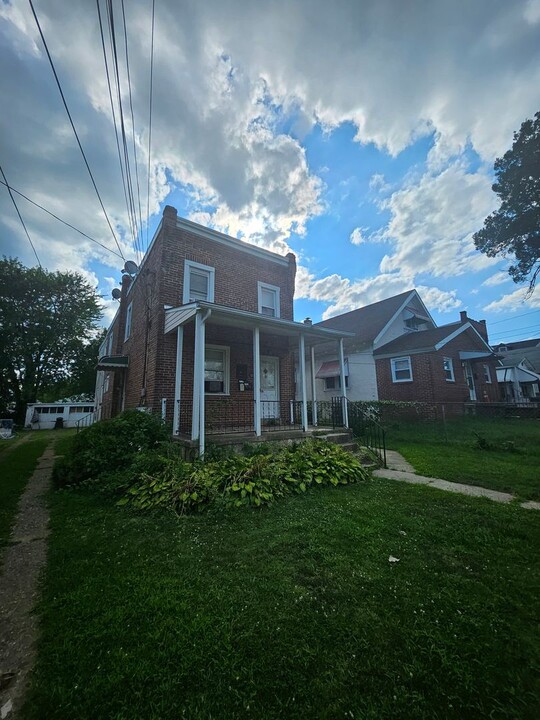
<point>117,294</point>
<point>130,267</point>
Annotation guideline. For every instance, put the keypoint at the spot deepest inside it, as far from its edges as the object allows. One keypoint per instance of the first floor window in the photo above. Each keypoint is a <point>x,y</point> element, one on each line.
<point>448,368</point>
<point>487,374</point>
<point>401,369</point>
<point>216,370</point>
<point>334,383</point>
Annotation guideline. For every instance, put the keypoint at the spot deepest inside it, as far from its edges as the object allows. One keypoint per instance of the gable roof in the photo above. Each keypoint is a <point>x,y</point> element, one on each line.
<point>368,321</point>
<point>427,340</point>
<point>518,351</point>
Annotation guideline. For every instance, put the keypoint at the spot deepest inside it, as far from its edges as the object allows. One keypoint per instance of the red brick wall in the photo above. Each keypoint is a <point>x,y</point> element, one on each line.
<point>159,283</point>
<point>429,383</point>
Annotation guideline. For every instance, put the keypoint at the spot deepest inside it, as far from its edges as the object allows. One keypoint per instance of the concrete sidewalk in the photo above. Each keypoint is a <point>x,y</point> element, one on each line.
<point>400,469</point>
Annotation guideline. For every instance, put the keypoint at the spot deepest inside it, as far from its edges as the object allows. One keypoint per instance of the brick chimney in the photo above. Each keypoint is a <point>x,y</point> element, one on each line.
<point>119,339</point>
<point>463,316</point>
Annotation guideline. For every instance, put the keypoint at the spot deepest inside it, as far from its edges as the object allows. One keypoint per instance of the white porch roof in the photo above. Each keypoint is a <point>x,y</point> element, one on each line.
<point>222,315</point>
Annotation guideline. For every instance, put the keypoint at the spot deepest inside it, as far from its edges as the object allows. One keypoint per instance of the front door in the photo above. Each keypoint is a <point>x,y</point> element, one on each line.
<point>269,387</point>
<point>469,377</point>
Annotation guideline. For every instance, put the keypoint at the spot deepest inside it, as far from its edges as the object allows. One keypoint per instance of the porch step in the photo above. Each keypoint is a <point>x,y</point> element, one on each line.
<point>338,438</point>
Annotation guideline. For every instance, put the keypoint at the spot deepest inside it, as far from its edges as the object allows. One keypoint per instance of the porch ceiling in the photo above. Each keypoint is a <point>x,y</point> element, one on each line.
<point>222,315</point>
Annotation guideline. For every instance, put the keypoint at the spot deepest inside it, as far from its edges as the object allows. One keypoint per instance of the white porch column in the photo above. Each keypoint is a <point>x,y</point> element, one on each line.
<point>197,379</point>
<point>178,380</point>
<point>313,388</point>
<point>343,386</point>
<point>302,366</point>
<point>257,380</point>
<point>202,341</point>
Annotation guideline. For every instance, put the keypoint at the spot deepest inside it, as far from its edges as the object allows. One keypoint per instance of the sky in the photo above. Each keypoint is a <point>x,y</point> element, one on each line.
<point>359,135</point>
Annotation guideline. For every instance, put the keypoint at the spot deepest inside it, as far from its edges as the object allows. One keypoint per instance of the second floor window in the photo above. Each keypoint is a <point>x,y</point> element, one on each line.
<point>128,321</point>
<point>198,282</point>
<point>268,299</point>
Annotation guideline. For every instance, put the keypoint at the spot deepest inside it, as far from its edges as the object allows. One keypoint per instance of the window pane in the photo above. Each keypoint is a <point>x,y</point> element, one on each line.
<point>214,371</point>
<point>198,285</point>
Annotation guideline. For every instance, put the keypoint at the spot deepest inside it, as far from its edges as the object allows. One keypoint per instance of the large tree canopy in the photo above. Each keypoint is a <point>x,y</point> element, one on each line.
<point>515,227</point>
<point>46,321</point>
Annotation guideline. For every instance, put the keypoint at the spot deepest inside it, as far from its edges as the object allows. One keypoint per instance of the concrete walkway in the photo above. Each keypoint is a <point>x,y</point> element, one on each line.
<point>400,469</point>
<point>23,561</point>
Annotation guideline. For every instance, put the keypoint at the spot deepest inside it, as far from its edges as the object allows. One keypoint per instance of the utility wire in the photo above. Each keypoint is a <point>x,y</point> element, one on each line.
<point>150,122</point>
<point>512,318</point>
<point>129,184</point>
<point>20,216</point>
<point>73,127</point>
<point>9,187</point>
<point>113,111</point>
<point>132,121</point>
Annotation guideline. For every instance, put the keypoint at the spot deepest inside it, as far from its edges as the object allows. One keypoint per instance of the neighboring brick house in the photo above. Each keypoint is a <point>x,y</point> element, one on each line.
<point>204,334</point>
<point>398,353</point>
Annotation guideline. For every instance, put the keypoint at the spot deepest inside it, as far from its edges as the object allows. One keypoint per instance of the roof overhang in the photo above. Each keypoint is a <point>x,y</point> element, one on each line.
<point>112,362</point>
<point>233,317</point>
<point>465,355</point>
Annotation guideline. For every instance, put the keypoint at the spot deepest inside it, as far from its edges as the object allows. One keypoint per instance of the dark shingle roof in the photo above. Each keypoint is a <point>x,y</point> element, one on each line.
<point>367,321</point>
<point>418,340</point>
<point>517,351</point>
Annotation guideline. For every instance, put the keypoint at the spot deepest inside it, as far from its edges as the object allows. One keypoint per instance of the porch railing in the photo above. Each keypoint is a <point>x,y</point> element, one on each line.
<point>237,415</point>
<point>85,421</point>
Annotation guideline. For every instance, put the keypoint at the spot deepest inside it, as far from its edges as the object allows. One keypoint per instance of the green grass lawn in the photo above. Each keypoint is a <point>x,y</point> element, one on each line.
<point>459,459</point>
<point>16,466</point>
<point>292,612</point>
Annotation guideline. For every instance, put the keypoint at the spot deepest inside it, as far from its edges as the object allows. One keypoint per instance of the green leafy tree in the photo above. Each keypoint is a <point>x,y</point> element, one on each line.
<point>515,227</point>
<point>47,320</point>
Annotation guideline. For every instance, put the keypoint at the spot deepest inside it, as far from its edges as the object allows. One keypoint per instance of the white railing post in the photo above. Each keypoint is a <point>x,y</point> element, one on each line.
<point>302,363</point>
<point>257,380</point>
<point>313,389</point>
<point>178,380</point>
<point>343,386</point>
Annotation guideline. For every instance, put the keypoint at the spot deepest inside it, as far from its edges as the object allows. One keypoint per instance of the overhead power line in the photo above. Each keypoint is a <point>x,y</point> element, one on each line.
<point>73,127</point>
<point>150,122</point>
<point>498,322</point>
<point>20,216</point>
<point>517,330</point>
<point>64,222</point>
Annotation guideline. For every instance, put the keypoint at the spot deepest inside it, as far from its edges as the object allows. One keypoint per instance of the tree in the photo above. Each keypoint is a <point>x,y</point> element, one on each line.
<point>515,227</point>
<point>46,321</point>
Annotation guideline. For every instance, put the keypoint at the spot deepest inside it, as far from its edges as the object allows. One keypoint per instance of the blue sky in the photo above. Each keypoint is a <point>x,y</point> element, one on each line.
<point>361,136</point>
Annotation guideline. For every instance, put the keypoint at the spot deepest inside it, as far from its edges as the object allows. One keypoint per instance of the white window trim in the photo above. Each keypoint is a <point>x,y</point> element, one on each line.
<point>487,375</point>
<point>392,367</point>
<point>226,370</point>
<point>453,378</point>
<point>129,313</point>
<point>273,288</point>
<point>192,265</point>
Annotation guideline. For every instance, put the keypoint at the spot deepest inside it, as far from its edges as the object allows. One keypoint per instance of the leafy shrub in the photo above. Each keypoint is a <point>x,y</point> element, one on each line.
<point>109,446</point>
<point>254,480</point>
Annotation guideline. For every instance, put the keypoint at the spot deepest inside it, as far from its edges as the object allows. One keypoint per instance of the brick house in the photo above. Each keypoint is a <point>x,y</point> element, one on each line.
<point>399,353</point>
<point>204,334</point>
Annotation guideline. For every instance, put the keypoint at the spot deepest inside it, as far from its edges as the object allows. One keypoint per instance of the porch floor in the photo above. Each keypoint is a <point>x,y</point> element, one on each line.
<point>239,438</point>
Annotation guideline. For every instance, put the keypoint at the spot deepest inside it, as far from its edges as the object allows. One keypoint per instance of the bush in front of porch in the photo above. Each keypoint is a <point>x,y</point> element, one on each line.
<point>148,472</point>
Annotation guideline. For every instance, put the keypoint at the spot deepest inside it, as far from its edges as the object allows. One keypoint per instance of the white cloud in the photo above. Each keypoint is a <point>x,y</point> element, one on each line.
<point>345,295</point>
<point>433,222</point>
<point>358,236</point>
<point>514,301</point>
<point>497,279</point>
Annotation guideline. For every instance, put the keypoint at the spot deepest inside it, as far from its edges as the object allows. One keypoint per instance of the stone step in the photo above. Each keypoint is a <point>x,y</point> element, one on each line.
<point>338,438</point>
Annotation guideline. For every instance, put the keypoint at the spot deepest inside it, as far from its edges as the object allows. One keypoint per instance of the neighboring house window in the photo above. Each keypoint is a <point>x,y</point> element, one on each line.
<point>198,282</point>
<point>128,321</point>
<point>448,368</point>
<point>216,370</point>
<point>268,299</point>
<point>109,344</point>
<point>487,374</point>
<point>334,383</point>
<point>106,384</point>
<point>401,369</point>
